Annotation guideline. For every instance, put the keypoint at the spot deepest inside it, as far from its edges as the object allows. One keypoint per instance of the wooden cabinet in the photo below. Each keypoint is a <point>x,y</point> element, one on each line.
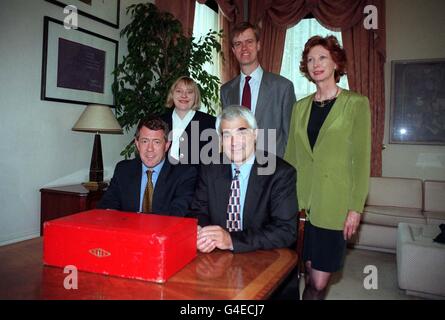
<point>61,201</point>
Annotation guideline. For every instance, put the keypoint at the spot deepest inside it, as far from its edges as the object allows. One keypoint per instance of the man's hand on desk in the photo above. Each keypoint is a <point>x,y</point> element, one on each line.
<point>211,237</point>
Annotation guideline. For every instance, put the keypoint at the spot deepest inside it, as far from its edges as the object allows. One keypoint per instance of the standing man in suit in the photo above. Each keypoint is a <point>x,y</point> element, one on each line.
<point>238,207</point>
<point>149,183</point>
<point>269,96</point>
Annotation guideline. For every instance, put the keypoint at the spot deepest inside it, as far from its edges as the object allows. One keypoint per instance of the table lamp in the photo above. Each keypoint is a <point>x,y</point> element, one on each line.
<point>98,119</point>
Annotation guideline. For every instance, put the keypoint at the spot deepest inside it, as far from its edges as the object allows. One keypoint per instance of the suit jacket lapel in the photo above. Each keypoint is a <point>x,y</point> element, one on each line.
<point>254,189</point>
<point>222,188</point>
<point>134,186</point>
<point>305,119</point>
<point>188,129</point>
<point>234,94</point>
<point>161,183</point>
<point>261,104</point>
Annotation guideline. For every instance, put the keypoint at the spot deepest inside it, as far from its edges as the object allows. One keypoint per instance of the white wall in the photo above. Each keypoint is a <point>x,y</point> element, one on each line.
<point>37,145</point>
<point>414,30</point>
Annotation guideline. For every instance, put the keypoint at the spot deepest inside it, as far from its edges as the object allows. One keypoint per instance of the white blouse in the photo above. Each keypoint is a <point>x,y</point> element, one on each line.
<point>178,129</point>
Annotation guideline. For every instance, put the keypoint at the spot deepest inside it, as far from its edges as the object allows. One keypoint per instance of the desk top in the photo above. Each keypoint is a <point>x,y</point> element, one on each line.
<point>217,275</point>
<point>77,189</point>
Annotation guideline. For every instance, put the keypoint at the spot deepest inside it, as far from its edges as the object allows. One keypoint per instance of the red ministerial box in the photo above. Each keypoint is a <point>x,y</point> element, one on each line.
<point>130,245</point>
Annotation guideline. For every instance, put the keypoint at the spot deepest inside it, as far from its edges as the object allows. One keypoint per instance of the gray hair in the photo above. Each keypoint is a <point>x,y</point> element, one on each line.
<point>233,112</point>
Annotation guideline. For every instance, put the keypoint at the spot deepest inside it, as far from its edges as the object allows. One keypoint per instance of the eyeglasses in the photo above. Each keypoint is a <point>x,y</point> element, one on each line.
<point>237,133</point>
<point>247,43</point>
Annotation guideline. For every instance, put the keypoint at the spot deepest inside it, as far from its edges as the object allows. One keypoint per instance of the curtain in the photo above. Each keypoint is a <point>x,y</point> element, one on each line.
<point>183,10</point>
<point>230,67</point>
<point>366,53</point>
<point>231,13</point>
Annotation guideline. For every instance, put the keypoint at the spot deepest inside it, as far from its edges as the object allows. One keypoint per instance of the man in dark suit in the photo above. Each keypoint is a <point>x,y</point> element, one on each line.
<point>241,206</point>
<point>269,96</point>
<point>149,183</point>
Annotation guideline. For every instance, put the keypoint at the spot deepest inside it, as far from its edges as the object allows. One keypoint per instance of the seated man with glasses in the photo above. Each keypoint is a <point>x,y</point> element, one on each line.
<point>239,204</point>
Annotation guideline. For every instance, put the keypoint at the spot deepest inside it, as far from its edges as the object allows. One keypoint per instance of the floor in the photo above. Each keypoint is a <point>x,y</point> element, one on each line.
<point>350,283</point>
<point>363,269</point>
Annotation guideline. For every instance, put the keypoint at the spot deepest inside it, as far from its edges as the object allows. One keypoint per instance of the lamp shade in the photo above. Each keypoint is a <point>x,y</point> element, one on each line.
<point>98,118</point>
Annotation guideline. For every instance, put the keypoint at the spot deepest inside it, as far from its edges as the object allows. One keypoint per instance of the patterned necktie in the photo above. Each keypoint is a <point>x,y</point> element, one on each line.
<point>246,100</point>
<point>234,207</point>
<point>148,194</point>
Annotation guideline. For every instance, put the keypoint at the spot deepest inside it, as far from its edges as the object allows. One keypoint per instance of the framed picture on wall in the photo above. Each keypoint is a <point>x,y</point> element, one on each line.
<point>418,102</point>
<point>77,65</point>
<point>104,11</point>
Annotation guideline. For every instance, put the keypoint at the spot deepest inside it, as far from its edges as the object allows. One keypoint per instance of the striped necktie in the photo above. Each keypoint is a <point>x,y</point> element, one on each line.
<point>234,206</point>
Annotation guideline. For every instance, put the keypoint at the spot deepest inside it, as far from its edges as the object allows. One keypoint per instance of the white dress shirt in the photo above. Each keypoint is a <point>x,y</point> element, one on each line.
<point>254,83</point>
<point>178,129</point>
<point>144,180</point>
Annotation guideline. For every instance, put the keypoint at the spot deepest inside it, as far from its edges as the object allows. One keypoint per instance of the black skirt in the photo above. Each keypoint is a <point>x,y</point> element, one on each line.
<point>326,249</point>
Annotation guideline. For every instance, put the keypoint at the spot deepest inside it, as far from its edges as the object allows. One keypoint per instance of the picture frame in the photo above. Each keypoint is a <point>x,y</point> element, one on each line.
<point>418,102</point>
<point>77,65</point>
<point>104,11</point>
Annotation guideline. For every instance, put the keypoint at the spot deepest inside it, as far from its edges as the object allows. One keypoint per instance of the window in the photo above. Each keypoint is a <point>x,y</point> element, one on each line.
<point>296,37</point>
<point>206,19</point>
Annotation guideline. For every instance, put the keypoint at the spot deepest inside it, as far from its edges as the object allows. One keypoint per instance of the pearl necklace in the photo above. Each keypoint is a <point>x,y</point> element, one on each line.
<point>323,103</point>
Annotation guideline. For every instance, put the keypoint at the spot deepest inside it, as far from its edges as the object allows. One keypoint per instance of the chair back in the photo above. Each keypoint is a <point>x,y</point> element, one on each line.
<point>300,240</point>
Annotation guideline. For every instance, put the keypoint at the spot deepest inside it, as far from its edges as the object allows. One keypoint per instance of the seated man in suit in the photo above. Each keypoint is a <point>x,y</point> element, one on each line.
<point>238,207</point>
<point>149,183</point>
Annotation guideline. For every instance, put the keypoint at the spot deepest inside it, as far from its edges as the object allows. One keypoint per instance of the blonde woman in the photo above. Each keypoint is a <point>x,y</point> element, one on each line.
<point>183,101</point>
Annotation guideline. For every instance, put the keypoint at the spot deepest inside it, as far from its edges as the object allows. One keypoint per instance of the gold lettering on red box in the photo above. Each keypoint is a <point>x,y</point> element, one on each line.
<point>99,252</point>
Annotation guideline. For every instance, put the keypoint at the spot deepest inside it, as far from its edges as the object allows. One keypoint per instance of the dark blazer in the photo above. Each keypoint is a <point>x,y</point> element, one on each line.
<point>172,195</point>
<point>276,99</point>
<point>205,121</point>
<point>270,208</point>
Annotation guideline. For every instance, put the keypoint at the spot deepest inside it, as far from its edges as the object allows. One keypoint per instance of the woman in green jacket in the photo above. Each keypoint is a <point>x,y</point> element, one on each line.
<point>329,145</point>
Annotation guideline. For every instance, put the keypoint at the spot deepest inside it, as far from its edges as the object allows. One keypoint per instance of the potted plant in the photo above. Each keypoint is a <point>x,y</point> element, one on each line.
<point>159,53</point>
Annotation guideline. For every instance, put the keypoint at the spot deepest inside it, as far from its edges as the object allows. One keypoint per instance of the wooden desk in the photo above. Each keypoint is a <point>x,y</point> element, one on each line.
<point>57,202</point>
<point>218,275</point>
